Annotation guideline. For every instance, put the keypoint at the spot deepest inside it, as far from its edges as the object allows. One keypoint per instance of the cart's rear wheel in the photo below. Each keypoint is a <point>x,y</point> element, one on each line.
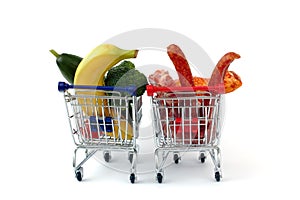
<point>159,177</point>
<point>202,158</point>
<point>132,177</point>
<point>217,176</point>
<point>79,174</point>
<point>176,158</point>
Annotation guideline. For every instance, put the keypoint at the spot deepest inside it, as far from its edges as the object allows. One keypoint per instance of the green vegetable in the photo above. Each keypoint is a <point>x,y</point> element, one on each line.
<point>67,64</point>
<point>124,75</point>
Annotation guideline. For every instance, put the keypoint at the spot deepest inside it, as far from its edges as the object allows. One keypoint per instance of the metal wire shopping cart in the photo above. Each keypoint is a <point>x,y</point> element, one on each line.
<point>103,119</point>
<point>185,119</point>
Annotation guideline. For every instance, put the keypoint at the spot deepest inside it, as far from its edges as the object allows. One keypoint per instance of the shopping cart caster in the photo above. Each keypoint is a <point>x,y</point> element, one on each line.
<point>159,177</point>
<point>217,176</point>
<point>202,157</point>
<point>107,156</point>
<point>79,174</point>
<point>132,178</point>
<point>176,158</point>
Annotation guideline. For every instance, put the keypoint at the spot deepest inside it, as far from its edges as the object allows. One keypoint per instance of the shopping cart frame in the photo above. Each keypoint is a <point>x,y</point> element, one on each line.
<point>165,103</point>
<point>96,133</point>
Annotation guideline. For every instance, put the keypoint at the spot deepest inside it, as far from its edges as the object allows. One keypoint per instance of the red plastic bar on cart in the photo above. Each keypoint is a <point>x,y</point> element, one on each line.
<point>151,89</point>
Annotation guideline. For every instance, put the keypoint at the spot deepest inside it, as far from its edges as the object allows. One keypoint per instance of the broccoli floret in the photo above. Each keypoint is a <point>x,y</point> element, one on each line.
<point>115,73</point>
<point>124,75</point>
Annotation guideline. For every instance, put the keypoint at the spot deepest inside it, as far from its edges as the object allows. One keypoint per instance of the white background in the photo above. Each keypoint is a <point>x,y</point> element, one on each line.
<point>261,132</point>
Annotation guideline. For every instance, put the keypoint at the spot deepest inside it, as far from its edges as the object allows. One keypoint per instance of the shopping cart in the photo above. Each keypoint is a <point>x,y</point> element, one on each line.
<point>103,119</point>
<point>186,119</point>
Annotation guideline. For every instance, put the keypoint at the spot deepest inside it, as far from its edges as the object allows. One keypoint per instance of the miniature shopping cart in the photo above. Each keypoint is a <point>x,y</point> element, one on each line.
<point>103,118</point>
<point>186,119</point>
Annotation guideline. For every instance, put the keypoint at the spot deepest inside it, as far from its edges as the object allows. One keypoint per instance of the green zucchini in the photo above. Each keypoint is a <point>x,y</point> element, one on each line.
<point>67,64</point>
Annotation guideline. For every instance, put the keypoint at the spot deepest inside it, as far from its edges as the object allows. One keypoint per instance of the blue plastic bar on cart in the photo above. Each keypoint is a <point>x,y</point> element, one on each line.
<point>62,86</point>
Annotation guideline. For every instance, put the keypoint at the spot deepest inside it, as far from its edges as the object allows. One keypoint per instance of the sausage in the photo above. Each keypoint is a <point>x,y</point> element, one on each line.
<point>181,65</point>
<point>221,68</point>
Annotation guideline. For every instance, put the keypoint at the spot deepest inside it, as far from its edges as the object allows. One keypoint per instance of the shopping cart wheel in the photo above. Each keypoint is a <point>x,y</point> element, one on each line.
<point>107,156</point>
<point>202,157</point>
<point>159,177</point>
<point>176,158</point>
<point>132,177</point>
<point>79,174</point>
<point>217,176</point>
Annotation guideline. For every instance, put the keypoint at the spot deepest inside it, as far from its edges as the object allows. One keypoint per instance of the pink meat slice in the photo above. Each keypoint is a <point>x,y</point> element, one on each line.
<point>161,78</point>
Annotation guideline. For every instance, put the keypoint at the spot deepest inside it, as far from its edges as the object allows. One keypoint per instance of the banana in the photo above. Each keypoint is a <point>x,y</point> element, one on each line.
<point>91,71</point>
<point>92,68</point>
<point>124,130</point>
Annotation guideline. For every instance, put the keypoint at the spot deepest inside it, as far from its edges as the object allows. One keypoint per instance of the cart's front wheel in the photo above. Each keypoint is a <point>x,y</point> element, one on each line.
<point>132,178</point>
<point>176,158</point>
<point>217,176</point>
<point>79,174</point>
<point>159,177</point>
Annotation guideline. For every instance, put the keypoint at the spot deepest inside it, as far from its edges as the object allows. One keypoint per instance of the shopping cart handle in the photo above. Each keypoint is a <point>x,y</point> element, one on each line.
<point>151,89</point>
<point>62,87</point>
